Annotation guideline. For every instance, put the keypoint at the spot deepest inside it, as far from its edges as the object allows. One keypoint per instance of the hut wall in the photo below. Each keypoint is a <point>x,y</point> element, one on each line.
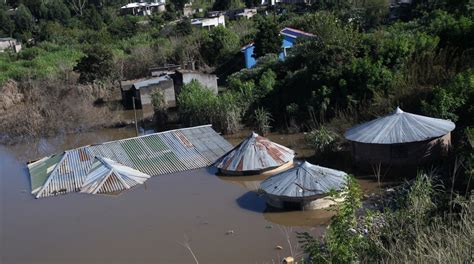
<point>399,154</point>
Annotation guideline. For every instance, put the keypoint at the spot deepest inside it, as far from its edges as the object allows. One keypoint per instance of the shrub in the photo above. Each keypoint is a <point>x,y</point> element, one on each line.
<point>262,121</point>
<point>321,139</point>
<point>199,105</point>
<point>341,243</point>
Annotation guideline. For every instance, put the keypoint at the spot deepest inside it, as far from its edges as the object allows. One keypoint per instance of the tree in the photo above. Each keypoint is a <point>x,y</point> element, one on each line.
<point>184,27</point>
<point>55,10</point>
<point>219,45</point>
<point>227,4</point>
<point>6,23</point>
<point>93,19</point>
<point>179,4</point>
<point>24,20</point>
<point>78,6</point>
<point>97,64</point>
<point>267,39</point>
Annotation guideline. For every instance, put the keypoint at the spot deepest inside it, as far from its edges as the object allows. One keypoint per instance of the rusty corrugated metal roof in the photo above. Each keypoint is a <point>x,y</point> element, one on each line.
<point>154,154</point>
<point>255,153</point>
<point>304,180</point>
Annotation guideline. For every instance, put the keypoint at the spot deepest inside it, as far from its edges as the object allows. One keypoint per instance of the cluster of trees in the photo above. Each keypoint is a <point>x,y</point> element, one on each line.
<point>424,65</point>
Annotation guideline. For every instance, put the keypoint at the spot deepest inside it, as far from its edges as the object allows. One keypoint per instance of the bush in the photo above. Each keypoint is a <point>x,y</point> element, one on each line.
<point>321,139</point>
<point>262,121</point>
<point>341,243</point>
<point>199,105</point>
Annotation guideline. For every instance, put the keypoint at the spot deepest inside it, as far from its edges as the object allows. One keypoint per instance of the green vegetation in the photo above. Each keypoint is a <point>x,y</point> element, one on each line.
<point>199,105</point>
<point>417,228</point>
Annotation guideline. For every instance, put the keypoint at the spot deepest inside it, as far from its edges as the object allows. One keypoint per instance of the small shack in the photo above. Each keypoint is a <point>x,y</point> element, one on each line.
<point>400,138</point>
<point>303,187</point>
<point>182,77</point>
<point>142,90</point>
<point>255,155</point>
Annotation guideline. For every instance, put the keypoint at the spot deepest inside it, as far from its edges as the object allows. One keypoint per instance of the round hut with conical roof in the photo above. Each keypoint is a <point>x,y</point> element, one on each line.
<point>400,138</point>
<point>305,186</point>
<point>255,155</point>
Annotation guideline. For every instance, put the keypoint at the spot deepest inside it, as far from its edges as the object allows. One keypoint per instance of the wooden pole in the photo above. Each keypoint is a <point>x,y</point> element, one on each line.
<point>135,114</point>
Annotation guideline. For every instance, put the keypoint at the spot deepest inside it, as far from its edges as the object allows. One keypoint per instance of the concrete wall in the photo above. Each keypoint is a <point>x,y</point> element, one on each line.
<point>166,87</point>
<point>184,77</point>
<point>10,44</point>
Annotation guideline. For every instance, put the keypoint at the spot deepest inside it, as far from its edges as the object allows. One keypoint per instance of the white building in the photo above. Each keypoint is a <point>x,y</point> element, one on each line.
<point>9,43</point>
<point>143,7</point>
<point>209,22</point>
<point>269,2</point>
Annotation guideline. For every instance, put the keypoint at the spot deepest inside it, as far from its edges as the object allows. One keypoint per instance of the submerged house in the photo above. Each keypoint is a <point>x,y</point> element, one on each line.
<point>400,138</point>
<point>121,164</point>
<point>255,155</point>
<point>290,35</point>
<point>303,187</point>
<point>108,176</point>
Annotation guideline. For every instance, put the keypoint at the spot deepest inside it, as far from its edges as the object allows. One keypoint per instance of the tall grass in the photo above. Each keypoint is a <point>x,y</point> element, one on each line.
<point>414,228</point>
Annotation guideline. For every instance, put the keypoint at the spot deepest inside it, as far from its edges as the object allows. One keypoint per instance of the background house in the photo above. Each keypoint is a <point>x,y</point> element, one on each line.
<point>9,43</point>
<point>143,7</point>
<point>182,77</point>
<point>209,22</point>
<point>141,91</point>
<point>169,84</point>
<point>290,35</point>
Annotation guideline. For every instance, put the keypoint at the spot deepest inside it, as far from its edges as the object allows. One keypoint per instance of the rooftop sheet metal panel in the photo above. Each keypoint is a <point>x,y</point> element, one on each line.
<point>64,176</point>
<point>295,33</point>
<point>152,81</point>
<point>106,176</point>
<point>255,153</point>
<point>154,154</point>
<point>304,180</point>
<point>399,127</point>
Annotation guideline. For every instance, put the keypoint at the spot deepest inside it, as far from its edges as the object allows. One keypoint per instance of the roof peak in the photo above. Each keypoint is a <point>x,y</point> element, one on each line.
<point>398,110</point>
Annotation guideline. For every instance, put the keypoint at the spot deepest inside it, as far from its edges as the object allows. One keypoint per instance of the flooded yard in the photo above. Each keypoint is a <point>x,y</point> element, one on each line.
<point>222,219</point>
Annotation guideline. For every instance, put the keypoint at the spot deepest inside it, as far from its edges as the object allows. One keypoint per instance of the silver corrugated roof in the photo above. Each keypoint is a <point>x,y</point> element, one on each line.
<point>106,176</point>
<point>152,81</point>
<point>399,127</point>
<point>304,180</point>
<point>154,154</point>
<point>255,153</point>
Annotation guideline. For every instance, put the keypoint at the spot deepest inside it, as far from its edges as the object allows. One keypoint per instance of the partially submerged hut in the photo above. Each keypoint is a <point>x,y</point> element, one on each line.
<point>303,187</point>
<point>255,155</point>
<point>400,138</point>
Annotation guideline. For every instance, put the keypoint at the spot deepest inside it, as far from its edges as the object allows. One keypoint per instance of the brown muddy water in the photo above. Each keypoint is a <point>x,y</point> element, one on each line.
<point>222,219</point>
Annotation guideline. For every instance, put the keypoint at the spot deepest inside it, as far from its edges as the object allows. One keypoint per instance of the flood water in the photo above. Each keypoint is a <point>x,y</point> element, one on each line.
<point>222,219</point>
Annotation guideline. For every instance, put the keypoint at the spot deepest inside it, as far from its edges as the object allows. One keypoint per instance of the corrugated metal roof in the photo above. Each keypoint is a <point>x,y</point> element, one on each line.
<point>295,33</point>
<point>154,154</point>
<point>399,127</point>
<point>255,153</point>
<point>304,180</point>
<point>107,176</point>
<point>152,81</point>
